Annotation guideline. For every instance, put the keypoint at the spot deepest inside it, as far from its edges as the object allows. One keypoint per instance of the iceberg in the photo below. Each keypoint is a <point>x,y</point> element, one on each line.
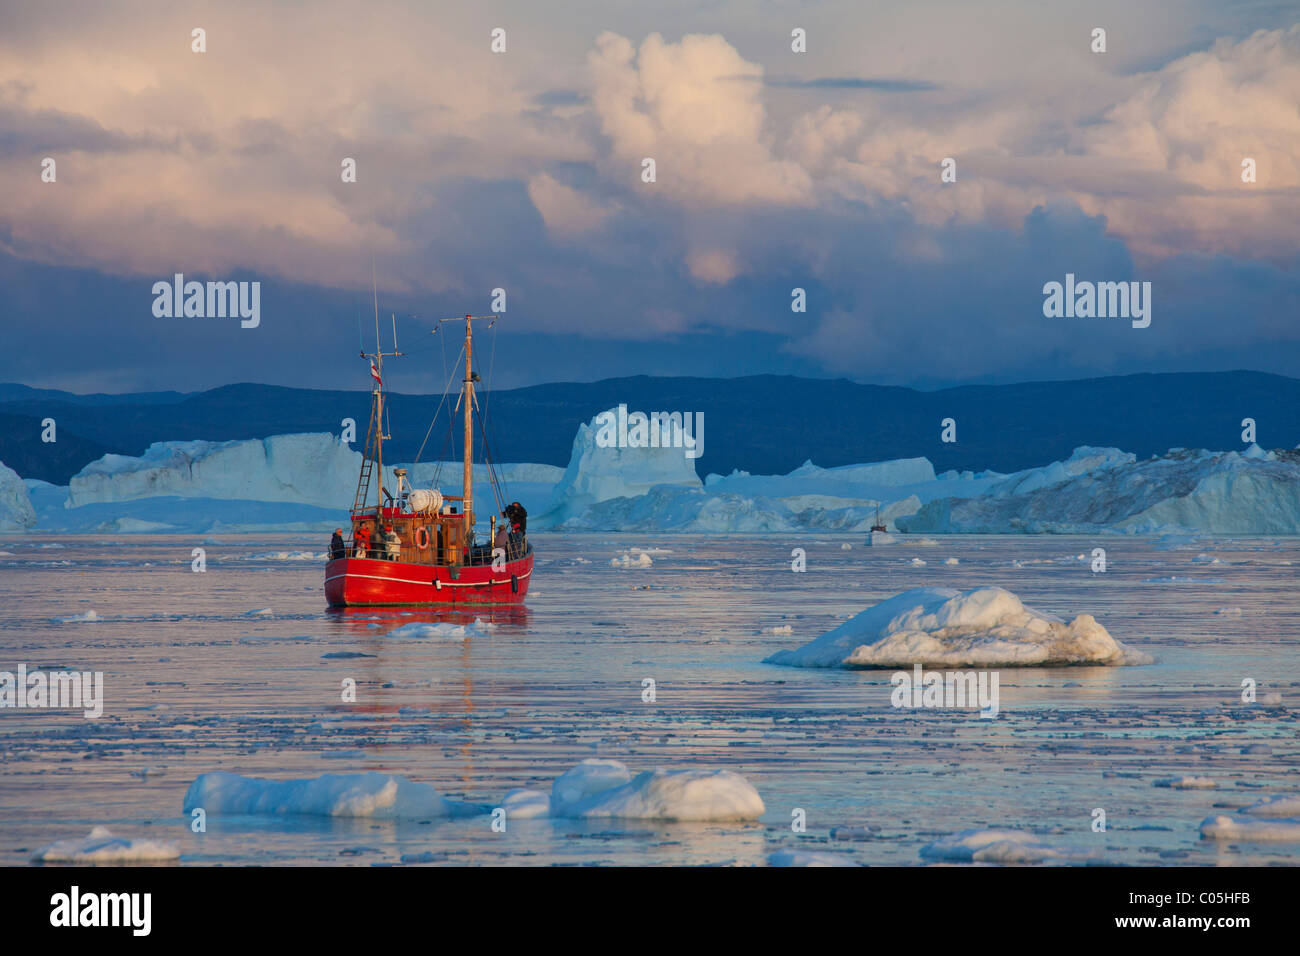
<point>16,512</point>
<point>984,627</point>
<point>296,482</point>
<point>597,474</point>
<point>305,482</point>
<point>1181,491</point>
<point>311,469</point>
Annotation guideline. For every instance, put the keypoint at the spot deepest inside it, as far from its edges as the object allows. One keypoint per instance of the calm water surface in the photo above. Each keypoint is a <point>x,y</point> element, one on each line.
<point>197,683</point>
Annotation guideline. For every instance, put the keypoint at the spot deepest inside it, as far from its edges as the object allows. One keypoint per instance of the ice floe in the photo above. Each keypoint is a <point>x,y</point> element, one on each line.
<point>102,846</point>
<point>604,788</point>
<point>1282,805</point>
<point>375,795</point>
<point>1000,846</point>
<point>1252,829</point>
<point>86,617</point>
<point>628,560</point>
<point>983,627</point>
<point>417,629</point>
<point>595,788</point>
<point>808,858</point>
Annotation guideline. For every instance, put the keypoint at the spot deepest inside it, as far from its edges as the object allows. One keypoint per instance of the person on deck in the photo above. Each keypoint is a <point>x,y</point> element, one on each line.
<point>337,547</point>
<point>502,539</point>
<point>518,518</point>
<point>361,541</point>
<point>392,544</point>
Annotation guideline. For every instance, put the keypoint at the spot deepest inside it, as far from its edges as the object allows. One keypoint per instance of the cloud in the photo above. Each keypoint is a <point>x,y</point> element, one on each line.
<point>852,83</point>
<point>566,211</point>
<point>717,266</point>
<point>695,107</point>
<point>522,170</point>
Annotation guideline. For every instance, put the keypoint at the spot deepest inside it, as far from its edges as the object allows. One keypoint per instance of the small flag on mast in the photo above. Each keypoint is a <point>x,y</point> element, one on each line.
<point>374,372</point>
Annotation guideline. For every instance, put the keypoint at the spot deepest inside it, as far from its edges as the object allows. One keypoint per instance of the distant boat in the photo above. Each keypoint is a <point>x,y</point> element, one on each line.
<point>879,533</point>
<point>436,559</point>
<point>878,526</point>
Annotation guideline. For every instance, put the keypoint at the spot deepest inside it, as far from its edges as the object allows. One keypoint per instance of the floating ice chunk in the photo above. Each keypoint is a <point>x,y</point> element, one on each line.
<point>1283,805</point>
<point>1277,830</point>
<point>85,618</point>
<point>676,795</point>
<point>1188,782</point>
<point>477,628</point>
<point>808,858</point>
<point>259,612</point>
<point>101,846</point>
<point>605,788</point>
<point>594,775</point>
<point>846,547</point>
<point>375,795</point>
<point>918,563</point>
<point>950,561</point>
<point>999,846</point>
<point>626,560</point>
<point>1229,611</point>
<point>781,630</point>
<point>984,627</point>
<point>524,804</point>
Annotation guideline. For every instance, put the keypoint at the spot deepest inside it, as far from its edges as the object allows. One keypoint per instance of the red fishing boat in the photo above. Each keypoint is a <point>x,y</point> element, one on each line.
<point>417,545</point>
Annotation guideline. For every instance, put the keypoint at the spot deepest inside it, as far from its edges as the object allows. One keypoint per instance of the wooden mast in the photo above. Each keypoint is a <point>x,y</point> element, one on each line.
<point>469,432</point>
<point>467,396</point>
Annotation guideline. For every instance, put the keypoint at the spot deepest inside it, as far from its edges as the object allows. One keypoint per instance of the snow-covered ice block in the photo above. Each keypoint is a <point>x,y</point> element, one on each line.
<point>102,846</point>
<point>984,627</point>
<point>376,795</point>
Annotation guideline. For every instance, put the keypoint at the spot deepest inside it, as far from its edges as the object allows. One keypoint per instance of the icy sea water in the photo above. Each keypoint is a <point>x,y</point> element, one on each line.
<point>196,683</point>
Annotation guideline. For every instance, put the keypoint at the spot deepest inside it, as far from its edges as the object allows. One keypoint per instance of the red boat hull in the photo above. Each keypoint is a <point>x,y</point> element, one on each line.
<point>366,582</point>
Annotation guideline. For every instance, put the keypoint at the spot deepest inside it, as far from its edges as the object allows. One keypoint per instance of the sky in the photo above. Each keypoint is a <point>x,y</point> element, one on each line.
<point>523,169</point>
